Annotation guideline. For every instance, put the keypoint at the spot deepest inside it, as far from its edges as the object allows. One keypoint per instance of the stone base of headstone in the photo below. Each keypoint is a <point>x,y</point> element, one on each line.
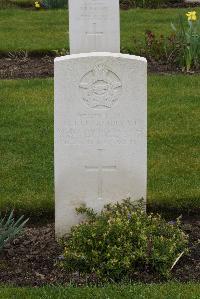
<point>100,132</point>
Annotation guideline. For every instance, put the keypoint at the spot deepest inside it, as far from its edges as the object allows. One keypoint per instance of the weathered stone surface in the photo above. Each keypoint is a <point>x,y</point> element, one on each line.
<point>100,132</point>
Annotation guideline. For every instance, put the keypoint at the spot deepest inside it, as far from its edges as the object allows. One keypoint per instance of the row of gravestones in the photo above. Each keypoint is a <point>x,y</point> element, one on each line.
<point>100,115</point>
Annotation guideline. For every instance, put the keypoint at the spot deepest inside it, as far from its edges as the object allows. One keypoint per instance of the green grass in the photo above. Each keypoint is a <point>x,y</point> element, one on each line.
<point>26,144</point>
<point>135,291</point>
<point>173,140</point>
<point>47,30</point>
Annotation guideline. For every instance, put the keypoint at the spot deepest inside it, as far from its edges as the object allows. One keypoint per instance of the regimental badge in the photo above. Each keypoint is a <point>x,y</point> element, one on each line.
<point>100,88</point>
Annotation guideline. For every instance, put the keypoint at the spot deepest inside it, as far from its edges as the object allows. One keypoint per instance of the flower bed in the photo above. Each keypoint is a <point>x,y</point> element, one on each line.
<point>124,4</point>
<point>30,260</point>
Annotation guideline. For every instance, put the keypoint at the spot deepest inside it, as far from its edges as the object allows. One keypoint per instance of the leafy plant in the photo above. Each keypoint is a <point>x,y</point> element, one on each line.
<point>54,3</point>
<point>147,3</point>
<point>4,4</point>
<point>188,39</point>
<point>61,52</point>
<point>160,49</point>
<point>121,240</point>
<point>9,228</point>
<point>181,48</point>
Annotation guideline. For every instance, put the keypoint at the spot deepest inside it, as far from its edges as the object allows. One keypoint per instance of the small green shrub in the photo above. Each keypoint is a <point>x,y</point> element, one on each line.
<point>16,3</point>
<point>160,49</point>
<point>54,3</point>
<point>9,228</point>
<point>121,240</point>
<point>4,4</point>
<point>147,3</point>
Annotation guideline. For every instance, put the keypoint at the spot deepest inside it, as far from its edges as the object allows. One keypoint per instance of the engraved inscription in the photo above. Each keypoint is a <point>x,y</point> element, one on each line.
<point>99,129</point>
<point>94,34</point>
<point>100,168</point>
<point>100,88</point>
<point>95,10</point>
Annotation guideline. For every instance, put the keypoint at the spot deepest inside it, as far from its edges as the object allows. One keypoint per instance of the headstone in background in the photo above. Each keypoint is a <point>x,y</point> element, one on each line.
<point>100,132</point>
<point>94,26</point>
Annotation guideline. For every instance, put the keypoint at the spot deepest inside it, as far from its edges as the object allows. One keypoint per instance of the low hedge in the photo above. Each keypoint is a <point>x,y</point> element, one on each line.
<point>148,3</point>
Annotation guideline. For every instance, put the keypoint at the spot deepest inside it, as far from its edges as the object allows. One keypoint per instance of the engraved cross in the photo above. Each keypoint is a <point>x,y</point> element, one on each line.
<point>94,34</point>
<point>100,169</point>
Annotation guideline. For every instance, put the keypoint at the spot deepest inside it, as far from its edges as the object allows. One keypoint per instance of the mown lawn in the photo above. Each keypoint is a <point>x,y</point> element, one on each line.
<point>47,30</point>
<point>135,291</point>
<point>173,142</point>
<point>26,144</point>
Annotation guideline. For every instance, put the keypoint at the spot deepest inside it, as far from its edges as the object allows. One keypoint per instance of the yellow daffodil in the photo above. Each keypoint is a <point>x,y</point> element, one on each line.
<point>192,15</point>
<point>37,4</point>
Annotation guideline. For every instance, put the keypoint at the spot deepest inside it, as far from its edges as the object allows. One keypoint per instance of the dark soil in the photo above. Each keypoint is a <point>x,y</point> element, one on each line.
<point>33,67</point>
<point>31,260</point>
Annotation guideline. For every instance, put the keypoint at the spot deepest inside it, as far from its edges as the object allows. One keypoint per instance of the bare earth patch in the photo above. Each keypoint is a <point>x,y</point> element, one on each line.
<point>34,67</point>
<point>31,67</point>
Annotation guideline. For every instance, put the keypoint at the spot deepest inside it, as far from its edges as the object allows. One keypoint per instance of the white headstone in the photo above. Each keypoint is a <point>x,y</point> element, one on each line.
<point>100,132</point>
<point>94,26</point>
